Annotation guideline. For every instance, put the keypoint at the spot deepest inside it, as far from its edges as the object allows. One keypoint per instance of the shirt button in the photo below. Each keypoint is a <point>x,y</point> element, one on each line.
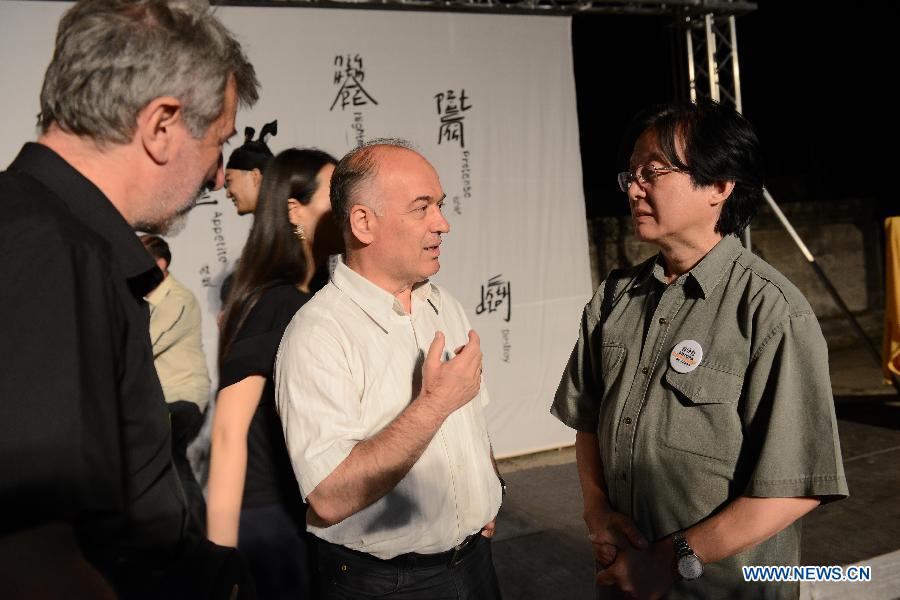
<point>645,370</point>
<point>663,321</point>
<point>628,420</point>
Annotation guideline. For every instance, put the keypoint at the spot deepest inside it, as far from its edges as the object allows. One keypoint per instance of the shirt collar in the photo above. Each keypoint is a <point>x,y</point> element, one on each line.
<point>382,306</point>
<point>706,274</point>
<point>711,269</point>
<point>156,296</point>
<point>92,208</point>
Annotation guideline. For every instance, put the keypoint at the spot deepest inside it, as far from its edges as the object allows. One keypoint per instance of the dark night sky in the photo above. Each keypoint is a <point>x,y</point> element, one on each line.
<point>815,84</point>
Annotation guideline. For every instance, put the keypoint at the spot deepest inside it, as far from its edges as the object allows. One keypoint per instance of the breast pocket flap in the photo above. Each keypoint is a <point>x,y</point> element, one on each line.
<point>706,385</point>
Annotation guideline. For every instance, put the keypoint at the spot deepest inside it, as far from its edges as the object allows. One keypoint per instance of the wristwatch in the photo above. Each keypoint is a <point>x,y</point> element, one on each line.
<point>689,564</point>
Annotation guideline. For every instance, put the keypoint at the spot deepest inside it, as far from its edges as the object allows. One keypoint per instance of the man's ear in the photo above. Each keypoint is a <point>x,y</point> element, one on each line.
<point>362,223</point>
<point>721,190</point>
<point>162,264</point>
<point>156,126</point>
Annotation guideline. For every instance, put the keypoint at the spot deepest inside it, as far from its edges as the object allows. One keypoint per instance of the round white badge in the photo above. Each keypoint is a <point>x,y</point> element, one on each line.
<point>686,356</point>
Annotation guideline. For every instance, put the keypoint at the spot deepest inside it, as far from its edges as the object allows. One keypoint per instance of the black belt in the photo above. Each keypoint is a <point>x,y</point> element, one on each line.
<point>450,558</point>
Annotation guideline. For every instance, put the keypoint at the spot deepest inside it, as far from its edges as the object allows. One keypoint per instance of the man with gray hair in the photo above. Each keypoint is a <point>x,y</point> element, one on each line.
<point>136,104</point>
<point>380,394</point>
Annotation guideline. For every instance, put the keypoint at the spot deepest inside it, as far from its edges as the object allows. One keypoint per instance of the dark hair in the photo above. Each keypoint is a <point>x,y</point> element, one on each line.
<point>719,145</point>
<point>272,255</point>
<point>253,154</point>
<point>157,247</point>
<point>354,169</point>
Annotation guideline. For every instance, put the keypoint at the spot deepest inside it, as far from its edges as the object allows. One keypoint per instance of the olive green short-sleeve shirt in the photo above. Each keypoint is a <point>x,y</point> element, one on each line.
<point>755,416</point>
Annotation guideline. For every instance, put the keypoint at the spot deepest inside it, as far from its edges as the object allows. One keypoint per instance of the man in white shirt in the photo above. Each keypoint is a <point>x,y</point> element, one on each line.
<point>380,396</point>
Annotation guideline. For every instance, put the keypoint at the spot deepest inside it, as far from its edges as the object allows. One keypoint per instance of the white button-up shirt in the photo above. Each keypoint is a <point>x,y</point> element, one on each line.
<point>349,363</point>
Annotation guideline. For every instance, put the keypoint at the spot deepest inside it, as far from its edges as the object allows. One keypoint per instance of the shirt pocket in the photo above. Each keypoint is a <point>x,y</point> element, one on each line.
<point>612,359</point>
<point>703,414</point>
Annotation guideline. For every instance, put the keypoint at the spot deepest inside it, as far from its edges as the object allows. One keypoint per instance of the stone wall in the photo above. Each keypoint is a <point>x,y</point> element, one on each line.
<point>844,237</point>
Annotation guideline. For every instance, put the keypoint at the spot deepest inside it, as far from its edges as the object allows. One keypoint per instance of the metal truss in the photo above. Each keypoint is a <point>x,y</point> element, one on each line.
<point>712,58</point>
<point>680,8</point>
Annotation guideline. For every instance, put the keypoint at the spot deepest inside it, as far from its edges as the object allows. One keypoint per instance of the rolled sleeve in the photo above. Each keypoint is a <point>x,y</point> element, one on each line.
<point>318,402</point>
<point>789,416</point>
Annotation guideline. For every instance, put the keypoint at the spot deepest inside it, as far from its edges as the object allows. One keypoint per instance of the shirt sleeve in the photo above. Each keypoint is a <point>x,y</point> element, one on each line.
<point>577,400</point>
<point>789,420</point>
<point>255,345</point>
<point>169,322</point>
<point>318,402</point>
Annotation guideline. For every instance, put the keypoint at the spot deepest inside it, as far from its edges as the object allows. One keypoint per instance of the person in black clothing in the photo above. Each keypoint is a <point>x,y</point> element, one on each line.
<point>136,104</point>
<point>245,168</point>
<point>254,501</point>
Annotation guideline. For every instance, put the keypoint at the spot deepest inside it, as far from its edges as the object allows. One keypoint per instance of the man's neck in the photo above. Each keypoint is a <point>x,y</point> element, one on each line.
<point>107,167</point>
<point>681,256</point>
<point>402,291</point>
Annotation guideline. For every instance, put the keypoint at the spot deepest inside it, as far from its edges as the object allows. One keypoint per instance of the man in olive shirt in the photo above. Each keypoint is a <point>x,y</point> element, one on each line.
<point>699,384</point>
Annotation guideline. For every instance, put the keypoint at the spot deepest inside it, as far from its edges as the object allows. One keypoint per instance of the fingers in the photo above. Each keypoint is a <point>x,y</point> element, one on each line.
<point>606,553</point>
<point>433,358</point>
<point>474,340</point>
<point>615,576</point>
<point>634,536</point>
<point>606,577</point>
<point>472,346</point>
<point>489,529</point>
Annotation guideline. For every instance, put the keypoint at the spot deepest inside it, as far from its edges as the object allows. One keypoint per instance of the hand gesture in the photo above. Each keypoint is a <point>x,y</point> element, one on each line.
<point>452,384</point>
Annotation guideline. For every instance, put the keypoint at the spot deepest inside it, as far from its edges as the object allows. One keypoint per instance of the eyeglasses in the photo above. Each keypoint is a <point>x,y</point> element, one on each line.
<point>644,174</point>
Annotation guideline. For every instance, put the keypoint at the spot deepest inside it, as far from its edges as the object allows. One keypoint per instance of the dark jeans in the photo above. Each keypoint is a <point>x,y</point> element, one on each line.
<point>276,545</point>
<point>345,574</point>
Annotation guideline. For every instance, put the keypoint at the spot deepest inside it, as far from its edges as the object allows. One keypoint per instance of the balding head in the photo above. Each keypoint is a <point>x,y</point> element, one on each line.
<point>350,183</point>
<point>389,198</point>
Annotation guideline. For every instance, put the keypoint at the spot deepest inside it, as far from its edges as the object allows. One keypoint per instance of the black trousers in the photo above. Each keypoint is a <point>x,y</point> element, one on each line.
<point>277,548</point>
<point>345,574</point>
<point>187,420</point>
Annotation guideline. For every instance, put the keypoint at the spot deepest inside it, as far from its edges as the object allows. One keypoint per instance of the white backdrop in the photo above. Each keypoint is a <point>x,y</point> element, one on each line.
<point>489,100</point>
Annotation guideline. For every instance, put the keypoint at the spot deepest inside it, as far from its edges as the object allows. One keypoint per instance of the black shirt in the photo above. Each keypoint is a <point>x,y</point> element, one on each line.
<point>270,478</point>
<point>84,429</point>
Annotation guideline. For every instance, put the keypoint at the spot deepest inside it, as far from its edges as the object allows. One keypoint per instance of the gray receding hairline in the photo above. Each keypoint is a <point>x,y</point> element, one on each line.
<point>112,57</point>
<point>354,171</point>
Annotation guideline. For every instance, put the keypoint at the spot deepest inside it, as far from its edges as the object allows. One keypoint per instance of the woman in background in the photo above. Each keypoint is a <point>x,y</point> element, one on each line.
<point>254,502</point>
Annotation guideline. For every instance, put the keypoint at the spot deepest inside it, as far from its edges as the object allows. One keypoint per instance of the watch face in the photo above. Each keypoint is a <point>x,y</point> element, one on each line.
<point>690,567</point>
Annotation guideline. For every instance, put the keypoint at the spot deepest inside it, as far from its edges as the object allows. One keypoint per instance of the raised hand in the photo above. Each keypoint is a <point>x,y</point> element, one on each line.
<point>450,385</point>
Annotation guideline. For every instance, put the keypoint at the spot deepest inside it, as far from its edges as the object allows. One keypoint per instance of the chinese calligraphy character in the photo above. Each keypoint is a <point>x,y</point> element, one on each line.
<point>205,198</point>
<point>349,74</point>
<point>494,295</point>
<point>450,108</point>
<point>204,276</point>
